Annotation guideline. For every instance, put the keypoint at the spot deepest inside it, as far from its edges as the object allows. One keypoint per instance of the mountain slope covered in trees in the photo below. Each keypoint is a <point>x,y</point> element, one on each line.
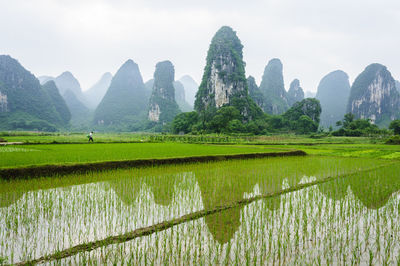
<point>24,104</point>
<point>273,88</point>
<point>125,103</point>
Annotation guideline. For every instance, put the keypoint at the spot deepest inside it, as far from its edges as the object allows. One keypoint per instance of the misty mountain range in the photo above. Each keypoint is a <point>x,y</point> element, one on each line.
<point>124,102</point>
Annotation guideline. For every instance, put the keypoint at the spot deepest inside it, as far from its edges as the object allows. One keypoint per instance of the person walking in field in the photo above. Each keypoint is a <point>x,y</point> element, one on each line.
<point>90,136</point>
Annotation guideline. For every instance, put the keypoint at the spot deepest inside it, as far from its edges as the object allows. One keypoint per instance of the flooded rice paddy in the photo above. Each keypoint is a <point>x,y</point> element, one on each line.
<point>350,217</point>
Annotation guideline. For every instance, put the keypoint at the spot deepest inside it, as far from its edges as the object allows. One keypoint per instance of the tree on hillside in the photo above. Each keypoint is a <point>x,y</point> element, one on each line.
<point>303,117</point>
<point>184,122</point>
<point>355,127</point>
<point>395,126</point>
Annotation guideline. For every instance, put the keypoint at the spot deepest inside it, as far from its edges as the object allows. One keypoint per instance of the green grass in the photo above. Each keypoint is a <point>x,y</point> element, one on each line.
<point>40,154</point>
<point>44,138</point>
<point>363,150</point>
<point>35,137</point>
<point>27,155</point>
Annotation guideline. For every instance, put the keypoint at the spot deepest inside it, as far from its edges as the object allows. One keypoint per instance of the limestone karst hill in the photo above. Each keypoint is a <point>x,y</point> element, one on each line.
<point>374,96</point>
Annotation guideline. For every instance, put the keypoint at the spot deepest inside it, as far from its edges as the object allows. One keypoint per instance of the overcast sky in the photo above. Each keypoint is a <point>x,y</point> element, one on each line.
<point>90,37</point>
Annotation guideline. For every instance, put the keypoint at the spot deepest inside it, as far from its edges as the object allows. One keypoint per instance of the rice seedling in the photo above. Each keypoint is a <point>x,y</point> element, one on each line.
<point>61,154</point>
<point>352,217</point>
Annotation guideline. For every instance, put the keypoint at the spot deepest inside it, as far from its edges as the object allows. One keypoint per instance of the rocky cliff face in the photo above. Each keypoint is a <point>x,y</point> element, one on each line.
<point>374,95</point>
<point>98,90</point>
<point>333,94</point>
<point>3,103</point>
<point>255,93</point>
<point>162,106</point>
<point>126,98</point>
<point>273,88</point>
<point>398,85</point>
<point>224,81</point>
<point>295,93</point>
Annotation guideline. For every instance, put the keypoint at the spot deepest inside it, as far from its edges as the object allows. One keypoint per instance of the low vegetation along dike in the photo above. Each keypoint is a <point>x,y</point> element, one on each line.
<point>244,203</point>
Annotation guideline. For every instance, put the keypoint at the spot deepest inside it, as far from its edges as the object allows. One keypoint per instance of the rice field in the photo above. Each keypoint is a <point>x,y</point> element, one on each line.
<point>61,154</point>
<point>297,210</point>
<point>68,137</point>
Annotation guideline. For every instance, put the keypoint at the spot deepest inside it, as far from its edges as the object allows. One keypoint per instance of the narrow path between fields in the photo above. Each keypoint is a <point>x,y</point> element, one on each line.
<point>86,247</point>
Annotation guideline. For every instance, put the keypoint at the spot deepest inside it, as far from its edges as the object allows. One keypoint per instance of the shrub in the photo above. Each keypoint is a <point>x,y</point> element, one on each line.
<point>395,140</point>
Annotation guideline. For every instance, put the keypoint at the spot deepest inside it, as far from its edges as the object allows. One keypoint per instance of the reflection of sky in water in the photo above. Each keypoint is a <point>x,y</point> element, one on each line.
<point>37,222</point>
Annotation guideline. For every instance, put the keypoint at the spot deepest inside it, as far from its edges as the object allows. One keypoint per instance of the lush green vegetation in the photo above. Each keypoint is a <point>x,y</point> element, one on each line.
<point>139,146</point>
<point>50,137</point>
<point>24,155</point>
<point>394,140</point>
<point>301,118</point>
<point>124,105</point>
<point>47,215</point>
<point>59,103</point>
<point>395,126</point>
<point>273,88</point>
<point>67,137</point>
<point>25,104</point>
<point>350,126</point>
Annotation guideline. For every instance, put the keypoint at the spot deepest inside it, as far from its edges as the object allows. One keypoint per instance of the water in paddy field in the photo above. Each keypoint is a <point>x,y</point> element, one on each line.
<point>352,219</point>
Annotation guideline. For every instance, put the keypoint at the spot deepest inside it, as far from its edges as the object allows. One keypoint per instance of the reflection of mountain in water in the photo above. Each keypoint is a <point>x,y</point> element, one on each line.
<point>274,177</point>
<point>10,192</point>
<point>222,185</point>
<point>162,185</point>
<point>219,186</point>
<point>127,189</point>
<point>373,188</point>
<point>163,188</point>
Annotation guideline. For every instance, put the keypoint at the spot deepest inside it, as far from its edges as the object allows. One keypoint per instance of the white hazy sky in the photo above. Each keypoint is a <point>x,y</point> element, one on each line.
<point>90,37</point>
